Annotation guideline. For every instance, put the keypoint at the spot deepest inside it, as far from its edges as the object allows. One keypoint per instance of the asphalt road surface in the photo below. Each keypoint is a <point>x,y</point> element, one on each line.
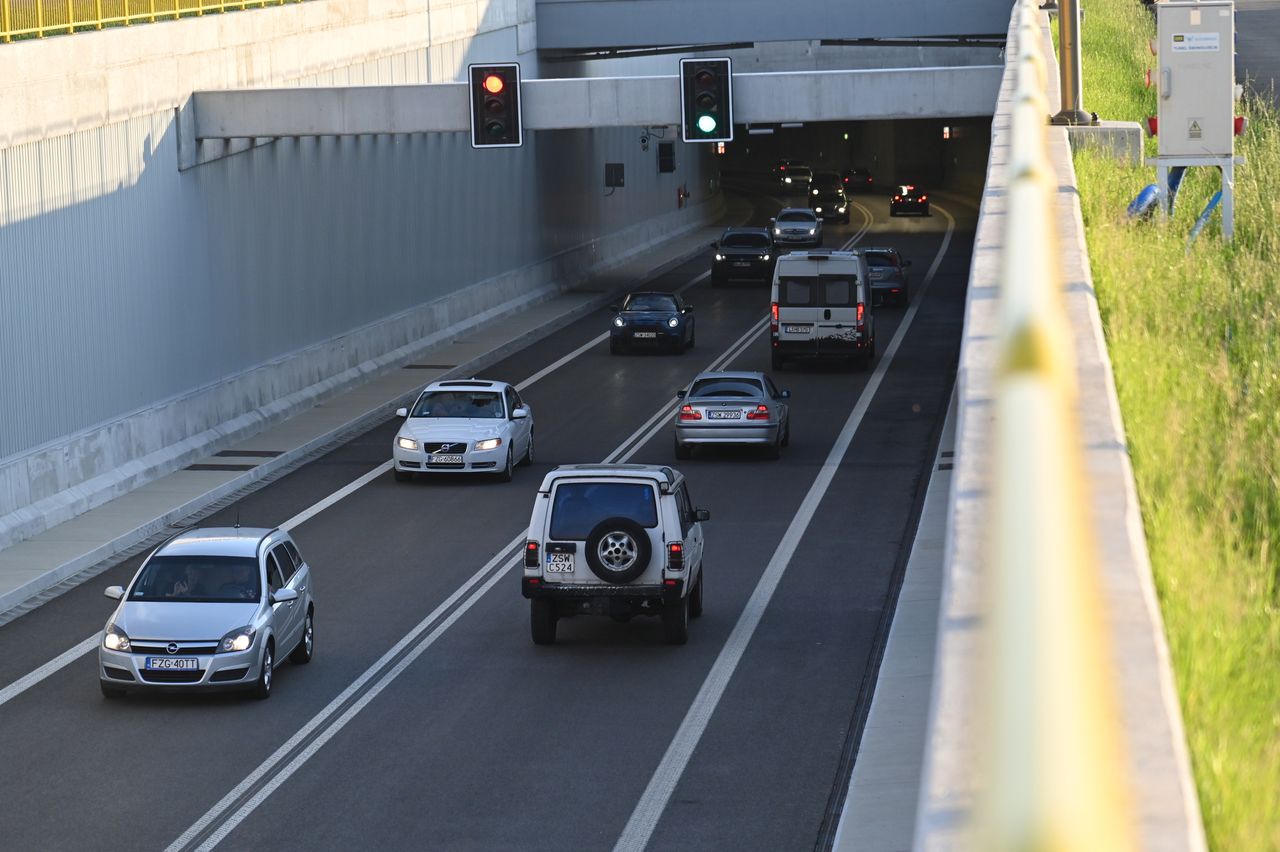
<point>429,719</point>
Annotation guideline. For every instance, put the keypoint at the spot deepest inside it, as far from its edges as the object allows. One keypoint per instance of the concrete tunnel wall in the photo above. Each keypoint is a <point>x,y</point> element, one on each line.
<point>147,312</point>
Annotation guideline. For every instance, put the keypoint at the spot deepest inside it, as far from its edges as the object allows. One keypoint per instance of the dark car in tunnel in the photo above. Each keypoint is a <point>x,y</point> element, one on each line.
<point>827,197</point>
<point>909,199</point>
<point>661,320</point>
<point>743,254</point>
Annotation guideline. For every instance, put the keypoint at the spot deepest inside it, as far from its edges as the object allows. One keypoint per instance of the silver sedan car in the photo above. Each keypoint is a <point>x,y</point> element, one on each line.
<point>213,608</point>
<point>732,408</point>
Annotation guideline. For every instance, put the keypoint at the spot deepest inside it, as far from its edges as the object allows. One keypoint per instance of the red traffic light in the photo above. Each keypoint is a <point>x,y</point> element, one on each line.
<point>493,84</point>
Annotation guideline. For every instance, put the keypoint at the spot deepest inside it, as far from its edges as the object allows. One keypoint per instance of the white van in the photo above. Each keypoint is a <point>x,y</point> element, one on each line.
<point>821,308</point>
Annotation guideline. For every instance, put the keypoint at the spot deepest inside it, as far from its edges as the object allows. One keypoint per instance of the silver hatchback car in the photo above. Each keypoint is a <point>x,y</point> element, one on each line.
<point>732,408</point>
<point>211,608</point>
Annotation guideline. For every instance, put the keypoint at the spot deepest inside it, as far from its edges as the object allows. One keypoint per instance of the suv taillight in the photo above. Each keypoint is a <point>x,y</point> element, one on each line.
<point>687,413</point>
<point>531,554</point>
<point>761,413</point>
<point>675,556</point>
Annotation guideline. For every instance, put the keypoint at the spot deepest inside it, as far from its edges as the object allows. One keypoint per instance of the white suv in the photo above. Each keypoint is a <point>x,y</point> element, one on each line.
<point>614,539</point>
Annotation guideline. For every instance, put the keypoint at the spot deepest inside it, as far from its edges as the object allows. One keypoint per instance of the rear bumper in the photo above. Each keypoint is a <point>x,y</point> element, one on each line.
<point>766,433</point>
<point>822,348</point>
<point>536,587</point>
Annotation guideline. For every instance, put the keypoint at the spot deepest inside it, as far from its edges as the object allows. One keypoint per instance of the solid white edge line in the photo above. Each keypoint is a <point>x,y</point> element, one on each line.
<point>639,828</point>
<point>323,717</point>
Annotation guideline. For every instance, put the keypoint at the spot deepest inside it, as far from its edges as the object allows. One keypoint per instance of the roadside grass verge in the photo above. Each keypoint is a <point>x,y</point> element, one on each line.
<point>1194,337</point>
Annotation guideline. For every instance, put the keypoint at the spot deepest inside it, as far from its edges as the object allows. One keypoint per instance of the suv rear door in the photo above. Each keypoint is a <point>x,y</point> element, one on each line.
<point>579,505</point>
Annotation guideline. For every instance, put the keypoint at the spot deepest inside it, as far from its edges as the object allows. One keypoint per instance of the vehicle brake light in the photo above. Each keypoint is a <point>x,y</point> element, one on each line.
<point>897,198</point>
<point>761,413</point>
<point>531,554</point>
<point>924,198</point>
<point>861,308</point>
<point>675,556</point>
<point>773,314</point>
<point>687,413</point>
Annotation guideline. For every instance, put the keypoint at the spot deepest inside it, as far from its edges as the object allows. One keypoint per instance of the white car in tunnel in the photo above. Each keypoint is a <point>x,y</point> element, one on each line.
<point>464,426</point>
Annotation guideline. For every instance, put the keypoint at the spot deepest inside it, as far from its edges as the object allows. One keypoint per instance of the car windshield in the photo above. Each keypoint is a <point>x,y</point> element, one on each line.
<point>880,259</point>
<point>745,241</point>
<point>799,171</point>
<point>199,579</point>
<point>749,388</point>
<point>580,506</point>
<point>480,404</point>
<point>796,216</point>
<point>649,302</point>
<point>827,181</point>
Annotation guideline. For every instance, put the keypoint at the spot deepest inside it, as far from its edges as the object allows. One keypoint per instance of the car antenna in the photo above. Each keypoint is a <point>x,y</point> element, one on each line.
<point>237,517</point>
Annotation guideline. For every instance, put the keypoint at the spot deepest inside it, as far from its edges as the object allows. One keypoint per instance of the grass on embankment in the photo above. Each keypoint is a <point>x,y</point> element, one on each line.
<point>1194,339</point>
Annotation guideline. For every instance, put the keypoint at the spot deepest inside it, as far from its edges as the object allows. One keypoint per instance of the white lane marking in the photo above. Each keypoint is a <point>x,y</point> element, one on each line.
<point>639,828</point>
<point>226,802</point>
<point>861,232</point>
<point>30,679</point>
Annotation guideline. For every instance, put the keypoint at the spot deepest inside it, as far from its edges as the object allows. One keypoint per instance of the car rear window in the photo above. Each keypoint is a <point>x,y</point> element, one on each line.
<point>745,241</point>
<point>880,259</point>
<point>199,579</point>
<point>825,291</point>
<point>826,181</point>
<point>649,303</point>
<point>749,388</point>
<point>579,506</point>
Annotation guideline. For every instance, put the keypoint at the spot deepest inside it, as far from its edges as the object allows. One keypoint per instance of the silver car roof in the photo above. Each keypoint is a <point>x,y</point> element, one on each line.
<point>216,541</point>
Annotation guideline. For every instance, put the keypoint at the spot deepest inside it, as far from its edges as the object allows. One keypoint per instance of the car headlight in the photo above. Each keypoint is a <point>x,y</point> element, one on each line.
<point>816,210</point>
<point>815,192</point>
<point>841,210</point>
<point>764,257</point>
<point>777,231</point>
<point>619,322</point>
<point>719,256</point>
<point>786,180</point>
<point>240,639</point>
<point>673,322</point>
<point>406,443</point>
<point>813,231</point>
<point>115,639</point>
<point>489,444</point>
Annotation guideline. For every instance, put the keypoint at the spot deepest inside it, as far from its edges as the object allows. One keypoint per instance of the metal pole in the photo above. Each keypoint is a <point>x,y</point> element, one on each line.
<point>1229,199</point>
<point>1072,111</point>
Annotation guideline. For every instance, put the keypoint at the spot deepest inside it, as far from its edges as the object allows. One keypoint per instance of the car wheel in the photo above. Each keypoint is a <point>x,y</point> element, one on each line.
<point>111,693</point>
<point>301,655</point>
<point>528,452</point>
<point>618,550</point>
<point>695,597</point>
<point>675,621</point>
<point>402,475</point>
<point>504,475</point>
<point>266,674</point>
<point>542,621</point>
<point>683,451</point>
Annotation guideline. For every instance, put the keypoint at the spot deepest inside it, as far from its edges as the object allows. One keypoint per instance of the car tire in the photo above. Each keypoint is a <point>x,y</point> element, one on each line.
<point>306,648</point>
<point>504,475</point>
<point>401,475</point>
<point>683,451</point>
<point>111,693</point>
<point>774,451</point>
<point>675,621</point>
<point>695,597</point>
<point>528,451</point>
<point>266,673</point>
<point>618,550</point>
<point>542,621</point>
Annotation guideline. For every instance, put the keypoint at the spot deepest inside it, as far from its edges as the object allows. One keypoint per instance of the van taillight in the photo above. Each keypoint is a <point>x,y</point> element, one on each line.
<point>675,556</point>
<point>531,554</point>
<point>861,308</point>
<point>773,318</point>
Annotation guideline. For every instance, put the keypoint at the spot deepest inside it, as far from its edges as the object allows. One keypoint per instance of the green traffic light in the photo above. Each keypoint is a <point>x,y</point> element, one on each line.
<point>707,123</point>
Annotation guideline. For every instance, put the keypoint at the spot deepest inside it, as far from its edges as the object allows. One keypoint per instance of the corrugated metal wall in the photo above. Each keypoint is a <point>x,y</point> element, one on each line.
<point>124,282</point>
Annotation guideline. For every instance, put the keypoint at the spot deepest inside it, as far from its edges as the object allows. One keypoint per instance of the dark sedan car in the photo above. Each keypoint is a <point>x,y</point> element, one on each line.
<point>909,199</point>
<point>743,253</point>
<point>652,319</point>
<point>858,180</point>
<point>827,198</point>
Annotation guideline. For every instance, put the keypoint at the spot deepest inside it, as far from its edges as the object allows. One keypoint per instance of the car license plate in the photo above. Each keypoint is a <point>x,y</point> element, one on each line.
<point>559,563</point>
<point>724,415</point>
<point>172,663</point>
<point>797,329</point>
<point>439,459</point>
<point>646,334</point>
<point>742,263</point>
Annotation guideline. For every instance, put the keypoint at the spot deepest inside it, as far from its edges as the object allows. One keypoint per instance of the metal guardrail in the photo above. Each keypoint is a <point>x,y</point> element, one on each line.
<point>1055,774</point>
<point>24,19</point>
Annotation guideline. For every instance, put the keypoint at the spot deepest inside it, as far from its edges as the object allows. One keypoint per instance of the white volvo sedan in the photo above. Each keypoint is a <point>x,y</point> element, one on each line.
<point>464,426</point>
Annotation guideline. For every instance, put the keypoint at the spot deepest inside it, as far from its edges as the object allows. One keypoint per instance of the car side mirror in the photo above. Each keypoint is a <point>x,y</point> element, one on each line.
<point>114,592</point>
<point>284,596</point>
<point>680,394</point>
<point>786,394</point>
<point>615,308</point>
<point>686,309</point>
<point>519,413</point>
<point>701,515</point>
<point>402,412</point>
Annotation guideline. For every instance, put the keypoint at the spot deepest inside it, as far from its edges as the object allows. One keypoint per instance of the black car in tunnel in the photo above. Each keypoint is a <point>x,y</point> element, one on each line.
<point>827,197</point>
<point>743,254</point>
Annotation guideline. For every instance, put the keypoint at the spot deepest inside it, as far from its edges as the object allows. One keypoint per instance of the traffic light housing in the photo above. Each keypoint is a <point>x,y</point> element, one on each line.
<point>706,100</point>
<point>495,105</point>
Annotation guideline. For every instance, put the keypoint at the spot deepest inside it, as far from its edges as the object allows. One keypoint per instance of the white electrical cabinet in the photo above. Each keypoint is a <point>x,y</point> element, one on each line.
<point>1196,46</point>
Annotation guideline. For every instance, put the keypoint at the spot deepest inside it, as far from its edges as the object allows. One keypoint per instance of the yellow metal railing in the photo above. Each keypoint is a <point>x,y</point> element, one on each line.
<point>23,19</point>
<point>1055,775</point>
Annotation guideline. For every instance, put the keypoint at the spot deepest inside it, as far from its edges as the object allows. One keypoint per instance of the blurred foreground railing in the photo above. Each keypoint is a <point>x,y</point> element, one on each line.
<point>23,19</point>
<point>1053,762</point>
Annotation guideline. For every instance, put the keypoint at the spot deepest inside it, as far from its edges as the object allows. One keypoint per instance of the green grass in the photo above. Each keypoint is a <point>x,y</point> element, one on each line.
<point>1194,337</point>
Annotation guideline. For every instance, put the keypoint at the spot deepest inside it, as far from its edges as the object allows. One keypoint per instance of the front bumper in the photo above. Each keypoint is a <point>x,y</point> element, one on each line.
<point>473,460</point>
<point>806,241</point>
<point>215,672</point>
<point>662,334</point>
